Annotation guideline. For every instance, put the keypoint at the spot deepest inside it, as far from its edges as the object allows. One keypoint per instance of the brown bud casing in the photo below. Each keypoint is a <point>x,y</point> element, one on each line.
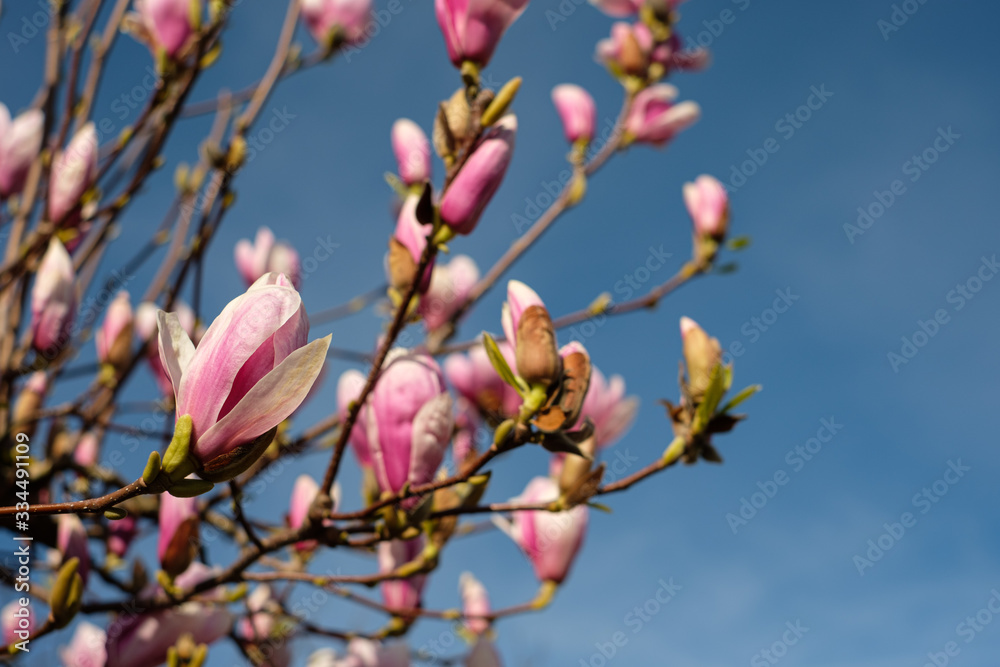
<point>538,360</point>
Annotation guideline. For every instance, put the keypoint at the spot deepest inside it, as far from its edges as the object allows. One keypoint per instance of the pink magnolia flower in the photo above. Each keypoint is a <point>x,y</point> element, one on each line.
<point>630,48</point>
<point>450,284</point>
<point>178,538</point>
<point>412,236</point>
<point>606,405</point>
<point>265,255</point>
<point>20,143</point>
<point>520,297</point>
<point>467,424</point>
<point>655,119</point>
<point>480,177</point>
<point>401,594</point>
<point>349,388</point>
<point>550,540</point>
<point>577,110</point>
<point>363,653</point>
<point>87,648</point>
<point>251,371</point>
<point>146,330</point>
<point>708,205</point>
<point>304,492</point>
<point>120,535</point>
<point>409,420</point>
<point>53,299</point>
<point>142,640</point>
<point>114,338</point>
<point>483,654</point>
<point>17,622</point>
<point>474,377</point>
<point>412,150</point>
<point>73,171</point>
<point>350,17</point>
<point>71,540</point>
<point>169,23</point>
<point>473,28</point>
<point>87,450</point>
<point>475,602</point>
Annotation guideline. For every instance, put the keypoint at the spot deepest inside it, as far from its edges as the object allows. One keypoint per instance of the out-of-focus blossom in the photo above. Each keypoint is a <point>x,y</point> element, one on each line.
<point>53,300</point>
<point>474,377</point>
<point>618,8</point>
<point>348,17</point>
<point>17,622</point>
<point>401,594</point>
<point>450,284</point>
<point>608,408</point>
<point>250,372</point>
<point>467,424</point>
<point>655,119</point>
<point>483,654</point>
<point>114,338</point>
<point>708,205</point>
<point>409,420</point>
<point>263,628</point>
<point>550,540</point>
<point>120,535</point>
<point>480,177</point>
<point>348,389</point>
<point>406,247</point>
<point>169,24</point>
<point>87,648</point>
<point>142,640</point>
<point>475,602</point>
<point>20,142</point>
<point>412,150</point>
<point>266,255</point>
<point>178,538</point>
<point>304,492</point>
<point>73,171</point>
<point>576,110</point>
<point>473,28</point>
<point>71,540</point>
<point>363,653</point>
<point>87,450</point>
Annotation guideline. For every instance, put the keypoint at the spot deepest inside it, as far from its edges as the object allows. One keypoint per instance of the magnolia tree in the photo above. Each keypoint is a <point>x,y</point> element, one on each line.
<point>412,419</point>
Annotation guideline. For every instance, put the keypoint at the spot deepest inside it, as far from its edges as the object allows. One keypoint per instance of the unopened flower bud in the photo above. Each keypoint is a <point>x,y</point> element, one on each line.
<point>702,354</point>
<point>655,119</point>
<point>475,602</point>
<point>348,17</point>
<point>708,205</point>
<point>538,360</point>
<point>114,338</point>
<point>472,29</point>
<point>73,171</point>
<point>53,300</point>
<point>412,151</point>
<point>577,110</point>
<point>20,142</point>
<point>179,533</point>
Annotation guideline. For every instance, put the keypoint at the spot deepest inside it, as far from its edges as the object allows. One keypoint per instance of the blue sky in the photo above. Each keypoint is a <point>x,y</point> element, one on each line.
<point>889,95</point>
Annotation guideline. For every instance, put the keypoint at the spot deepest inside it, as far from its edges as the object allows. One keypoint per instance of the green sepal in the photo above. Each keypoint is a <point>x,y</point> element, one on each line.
<point>741,396</point>
<point>189,488</point>
<point>500,364</point>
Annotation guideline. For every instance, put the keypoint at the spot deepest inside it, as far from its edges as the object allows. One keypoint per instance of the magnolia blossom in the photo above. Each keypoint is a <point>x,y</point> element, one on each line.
<point>450,284</point>
<point>348,17</point>
<point>178,539</point>
<point>618,7</point>
<point>71,540</point>
<point>475,602</point>
<point>304,493</point>
<point>142,640</point>
<point>473,28</point>
<point>73,171</point>
<point>87,450</point>
<point>527,325</point>
<point>16,622</point>
<point>655,119</point>
<point>363,653</point>
<point>250,372</point>
<point>474,377</point>
<point>631,49</point>
<point>146,330</point>
<point>577,110</point>
<point>607,407</point>
<point>401,594</point>
<point>409,420</point>
<point>20,143</point>
<point>708,205</point>
<point>265,255</point>
<point>53,299</point>
<point>406,247</point>
<point>480,177</point>
<point>550,540</point>
<point>87,648</point>
<point>120,535</point>
<point>114,338</point>
<point>412,150</point>
<point>348,389</point>
<point>168,23</point>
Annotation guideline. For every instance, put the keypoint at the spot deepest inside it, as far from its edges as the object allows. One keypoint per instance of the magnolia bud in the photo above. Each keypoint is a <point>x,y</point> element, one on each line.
<point>412,150</point>
<point>577,110</point>
<point>114,338</point>
<point>708,205</point>
<point>20,142</point>
<point>73,171</point>
<point>701,354</point>
<point>179,534</point>
<point>538,360</point>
